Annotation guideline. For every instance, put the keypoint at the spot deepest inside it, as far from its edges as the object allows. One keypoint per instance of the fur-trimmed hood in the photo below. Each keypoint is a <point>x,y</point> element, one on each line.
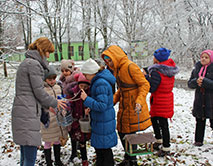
<point>167,68</point>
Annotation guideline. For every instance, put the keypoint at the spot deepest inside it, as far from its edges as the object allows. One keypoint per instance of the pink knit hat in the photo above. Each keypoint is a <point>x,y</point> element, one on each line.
<point>80,78</point>
<point>210,53</point>
<point>203,69</point>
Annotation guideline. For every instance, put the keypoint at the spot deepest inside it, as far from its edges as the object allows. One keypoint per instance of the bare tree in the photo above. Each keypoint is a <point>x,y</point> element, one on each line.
<point>130,16</point>
<point>183,26</point>
<point>69,5</point>
<point>105,19</point>
<point>53,13</point>
<point>86,14</point>
<point>26,22</point>
<point>200,27</point>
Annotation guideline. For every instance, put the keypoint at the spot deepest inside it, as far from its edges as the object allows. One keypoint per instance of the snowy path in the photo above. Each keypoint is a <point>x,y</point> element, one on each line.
<point>181,129</point>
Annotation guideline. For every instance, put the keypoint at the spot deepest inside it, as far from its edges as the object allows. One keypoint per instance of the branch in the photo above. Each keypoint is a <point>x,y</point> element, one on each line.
<point>28,7</point>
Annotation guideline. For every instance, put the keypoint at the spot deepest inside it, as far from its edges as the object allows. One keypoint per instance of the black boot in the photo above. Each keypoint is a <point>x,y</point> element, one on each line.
<point>162,153</point>
<point>47,154</point>
<point>57,149</point>
<point>156,146</point>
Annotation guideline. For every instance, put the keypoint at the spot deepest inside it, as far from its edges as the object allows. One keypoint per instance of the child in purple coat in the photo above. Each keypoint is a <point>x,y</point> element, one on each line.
<point>78,111</point>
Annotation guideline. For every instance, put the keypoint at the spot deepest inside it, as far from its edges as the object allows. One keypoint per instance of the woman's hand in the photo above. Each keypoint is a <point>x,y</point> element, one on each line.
<point>83,94</point>
<point>137,107</point>
<point>61,104</point>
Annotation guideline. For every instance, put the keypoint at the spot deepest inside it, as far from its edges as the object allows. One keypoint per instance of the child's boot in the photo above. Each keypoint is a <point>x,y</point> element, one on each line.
<point>85,163</point>
<point>165,151</point>
<point>47,154</point>
<point>198,144</point>
<point>57,149</point>
<point>157,144</point>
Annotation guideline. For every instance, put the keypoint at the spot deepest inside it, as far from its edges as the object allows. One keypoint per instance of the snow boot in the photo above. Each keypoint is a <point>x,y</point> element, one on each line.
<point>198,144</point>
<point>162,153</point>
<point>57,149</point>
<point>47,154</point>
<point>157,144</point>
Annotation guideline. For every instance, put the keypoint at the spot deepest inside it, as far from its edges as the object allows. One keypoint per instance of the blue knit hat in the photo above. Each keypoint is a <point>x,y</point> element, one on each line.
<point>162,54</point>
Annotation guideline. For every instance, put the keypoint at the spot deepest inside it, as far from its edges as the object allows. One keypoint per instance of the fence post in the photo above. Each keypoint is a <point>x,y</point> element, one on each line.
<point>5,69</point>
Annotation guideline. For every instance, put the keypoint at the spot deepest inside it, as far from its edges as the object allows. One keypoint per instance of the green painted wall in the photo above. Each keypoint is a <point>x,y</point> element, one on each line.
<point>76,56</point>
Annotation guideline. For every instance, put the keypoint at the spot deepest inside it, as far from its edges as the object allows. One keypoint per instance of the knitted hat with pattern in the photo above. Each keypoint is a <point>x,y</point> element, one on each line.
<point>67,64</point>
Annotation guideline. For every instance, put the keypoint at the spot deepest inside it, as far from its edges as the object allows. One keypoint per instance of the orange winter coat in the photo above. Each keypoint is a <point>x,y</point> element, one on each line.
<point>132,88</point>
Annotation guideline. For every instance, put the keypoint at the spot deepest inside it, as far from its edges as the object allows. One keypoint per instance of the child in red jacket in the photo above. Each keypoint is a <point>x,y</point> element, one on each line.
<point>161,79</point>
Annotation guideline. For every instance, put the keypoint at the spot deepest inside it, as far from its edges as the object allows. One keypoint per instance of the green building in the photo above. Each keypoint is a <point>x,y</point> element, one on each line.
<point>77,52</point>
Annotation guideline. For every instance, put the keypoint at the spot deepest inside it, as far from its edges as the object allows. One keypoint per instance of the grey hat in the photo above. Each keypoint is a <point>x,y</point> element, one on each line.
<point>51,71</point>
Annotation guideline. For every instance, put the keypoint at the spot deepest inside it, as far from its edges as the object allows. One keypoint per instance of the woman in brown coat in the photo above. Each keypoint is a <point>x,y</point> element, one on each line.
<point>133,114</point>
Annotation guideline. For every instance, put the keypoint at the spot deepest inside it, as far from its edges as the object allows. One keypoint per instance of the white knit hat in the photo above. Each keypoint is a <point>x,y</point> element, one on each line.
<point>90,67</point>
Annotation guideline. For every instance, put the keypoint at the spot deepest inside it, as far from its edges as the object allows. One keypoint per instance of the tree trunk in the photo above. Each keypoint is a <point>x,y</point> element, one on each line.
<point>56,52</point>
<point>69,49</point>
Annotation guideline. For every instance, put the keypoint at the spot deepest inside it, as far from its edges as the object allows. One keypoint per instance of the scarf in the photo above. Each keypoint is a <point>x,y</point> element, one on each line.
<point>202,71</point>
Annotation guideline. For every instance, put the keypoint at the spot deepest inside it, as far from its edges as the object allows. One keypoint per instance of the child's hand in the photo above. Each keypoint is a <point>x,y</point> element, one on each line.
<point>144,72</point>
<point>200,81</point>
<point>64,113</point>
<point>83,94</point>
<point>52,110</point>
<point>87,110</point>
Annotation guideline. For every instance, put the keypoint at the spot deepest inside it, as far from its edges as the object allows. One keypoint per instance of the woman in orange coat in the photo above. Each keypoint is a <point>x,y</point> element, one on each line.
<point>133,114</point>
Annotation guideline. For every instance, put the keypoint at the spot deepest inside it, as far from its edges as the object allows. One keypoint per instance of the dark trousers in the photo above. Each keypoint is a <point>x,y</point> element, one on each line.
<point>161,129</point>
<point>104,157</point>
<point>134,147</point>
<point>200,129</point>
<point>83,149</point>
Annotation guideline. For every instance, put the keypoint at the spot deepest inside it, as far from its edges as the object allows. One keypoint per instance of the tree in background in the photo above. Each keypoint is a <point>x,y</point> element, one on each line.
<point>184,26</point>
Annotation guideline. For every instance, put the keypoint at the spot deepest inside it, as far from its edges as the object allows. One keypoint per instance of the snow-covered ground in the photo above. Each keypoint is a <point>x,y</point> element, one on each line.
<point>182,129</point>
